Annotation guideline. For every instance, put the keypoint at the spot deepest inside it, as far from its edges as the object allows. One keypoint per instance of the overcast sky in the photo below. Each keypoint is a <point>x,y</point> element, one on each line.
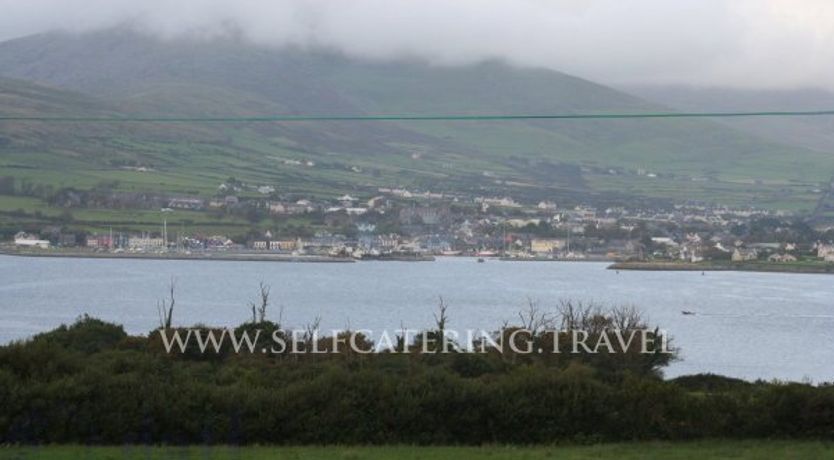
<point>750,43</point>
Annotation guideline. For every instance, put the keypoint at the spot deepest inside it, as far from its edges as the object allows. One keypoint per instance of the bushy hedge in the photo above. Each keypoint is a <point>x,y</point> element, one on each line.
<point>92,383</point>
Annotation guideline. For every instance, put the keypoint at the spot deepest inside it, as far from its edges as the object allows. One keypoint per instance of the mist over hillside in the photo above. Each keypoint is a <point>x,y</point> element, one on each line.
<point>126,72</point>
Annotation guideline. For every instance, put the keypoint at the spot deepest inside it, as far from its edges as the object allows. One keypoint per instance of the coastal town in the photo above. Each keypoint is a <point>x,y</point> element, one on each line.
<point>401,224</point>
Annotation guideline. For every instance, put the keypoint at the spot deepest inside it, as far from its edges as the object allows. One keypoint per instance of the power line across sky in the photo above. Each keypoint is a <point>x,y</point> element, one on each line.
<point>401,117</point>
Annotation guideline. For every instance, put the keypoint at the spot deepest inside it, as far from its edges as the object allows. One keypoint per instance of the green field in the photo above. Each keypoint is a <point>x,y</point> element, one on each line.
<point>739,450</point>
<point>559,160</point>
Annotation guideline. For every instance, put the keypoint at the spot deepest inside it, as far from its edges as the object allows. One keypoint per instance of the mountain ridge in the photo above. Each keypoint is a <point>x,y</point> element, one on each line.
<point>137,74</point>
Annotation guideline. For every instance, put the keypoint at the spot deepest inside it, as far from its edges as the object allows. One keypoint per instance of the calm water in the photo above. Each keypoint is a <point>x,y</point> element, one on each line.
<point>749,325</point>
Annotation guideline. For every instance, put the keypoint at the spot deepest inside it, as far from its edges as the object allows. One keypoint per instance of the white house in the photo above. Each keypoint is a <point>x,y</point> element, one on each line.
<point>781,258</point>
<point>665,241</point>
<point>825,250</point>
<point>743,254</point>
<point>30,241</point>
<point>144,242</point>
<point>546,245</point>
<point>547,206</point>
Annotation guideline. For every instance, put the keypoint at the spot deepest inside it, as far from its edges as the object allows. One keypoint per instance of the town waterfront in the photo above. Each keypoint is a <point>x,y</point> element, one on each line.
<point>748,325</point>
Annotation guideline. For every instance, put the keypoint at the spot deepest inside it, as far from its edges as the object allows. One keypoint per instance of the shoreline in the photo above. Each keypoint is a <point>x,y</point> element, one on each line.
<point>419,258</point>
<point>214,256</point>
<point>219,256</point>
<point>548,259</point>
<point>245,256</point>
<point>762,267</point>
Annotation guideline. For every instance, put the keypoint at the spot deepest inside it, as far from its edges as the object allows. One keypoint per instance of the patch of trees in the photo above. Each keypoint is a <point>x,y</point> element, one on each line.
<point>91,382</point>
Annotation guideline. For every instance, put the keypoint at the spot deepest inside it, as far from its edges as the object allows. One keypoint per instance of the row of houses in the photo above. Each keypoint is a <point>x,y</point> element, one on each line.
<point>325,243</point>
<point>277,245</point>
<point>121,241</point>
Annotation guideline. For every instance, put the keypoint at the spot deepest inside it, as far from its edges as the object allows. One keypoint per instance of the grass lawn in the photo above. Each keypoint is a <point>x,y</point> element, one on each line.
<point>740,450</point>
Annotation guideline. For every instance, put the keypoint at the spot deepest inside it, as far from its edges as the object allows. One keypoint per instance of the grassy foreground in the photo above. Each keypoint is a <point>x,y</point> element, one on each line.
<point>740,450</point>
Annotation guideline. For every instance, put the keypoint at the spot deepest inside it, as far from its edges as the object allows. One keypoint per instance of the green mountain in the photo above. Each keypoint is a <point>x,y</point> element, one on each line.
<point>122,72</point>
<point>815,133</point>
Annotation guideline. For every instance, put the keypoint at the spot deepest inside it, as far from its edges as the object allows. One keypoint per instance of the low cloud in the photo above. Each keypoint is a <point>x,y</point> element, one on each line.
<point>742,43</point>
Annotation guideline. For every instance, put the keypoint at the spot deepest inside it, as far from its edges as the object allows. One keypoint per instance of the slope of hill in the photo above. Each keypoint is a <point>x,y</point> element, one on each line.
<point>815,133</point>
<point>131,73</point>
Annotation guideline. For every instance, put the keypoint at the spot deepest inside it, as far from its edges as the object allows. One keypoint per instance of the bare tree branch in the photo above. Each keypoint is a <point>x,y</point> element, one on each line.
<point>165,308</point>
<point>265,289</point>
<point>442,318</point>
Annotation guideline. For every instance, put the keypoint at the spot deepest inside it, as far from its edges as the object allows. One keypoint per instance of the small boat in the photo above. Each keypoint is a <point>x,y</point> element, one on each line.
<point>481,260</point>
<point>687,312</point>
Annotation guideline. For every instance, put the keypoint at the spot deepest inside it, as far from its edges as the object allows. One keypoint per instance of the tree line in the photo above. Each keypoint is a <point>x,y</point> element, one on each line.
<point>91,382</point>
